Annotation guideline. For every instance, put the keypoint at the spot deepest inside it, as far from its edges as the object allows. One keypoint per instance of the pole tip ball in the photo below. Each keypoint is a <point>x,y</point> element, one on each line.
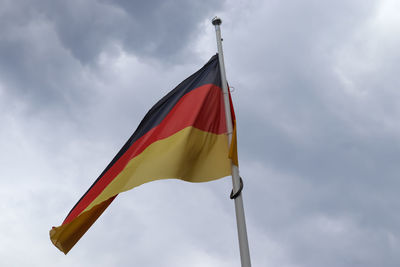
<point>216,21</point>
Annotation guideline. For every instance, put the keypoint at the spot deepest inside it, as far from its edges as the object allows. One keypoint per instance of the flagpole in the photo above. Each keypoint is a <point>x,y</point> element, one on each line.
<point>240,218</point>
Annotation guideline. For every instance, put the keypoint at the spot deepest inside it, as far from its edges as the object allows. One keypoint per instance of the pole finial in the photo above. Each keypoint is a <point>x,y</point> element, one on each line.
<point>216,21</point>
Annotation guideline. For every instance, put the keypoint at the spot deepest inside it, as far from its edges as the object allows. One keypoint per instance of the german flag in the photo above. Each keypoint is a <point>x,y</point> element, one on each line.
<point>183,136</point>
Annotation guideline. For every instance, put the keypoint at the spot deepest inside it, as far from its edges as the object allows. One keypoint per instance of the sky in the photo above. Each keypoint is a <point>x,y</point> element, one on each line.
<point>315,89</point>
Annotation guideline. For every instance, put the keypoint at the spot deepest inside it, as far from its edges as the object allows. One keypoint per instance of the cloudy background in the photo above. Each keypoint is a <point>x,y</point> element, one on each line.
<point>316,92</point>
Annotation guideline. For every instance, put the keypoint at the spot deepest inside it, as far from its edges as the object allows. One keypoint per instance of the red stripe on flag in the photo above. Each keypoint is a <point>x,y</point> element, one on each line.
<point>202,108</point>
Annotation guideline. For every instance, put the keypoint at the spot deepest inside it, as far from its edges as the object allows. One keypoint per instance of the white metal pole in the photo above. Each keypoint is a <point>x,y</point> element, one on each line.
<point>240,218</point>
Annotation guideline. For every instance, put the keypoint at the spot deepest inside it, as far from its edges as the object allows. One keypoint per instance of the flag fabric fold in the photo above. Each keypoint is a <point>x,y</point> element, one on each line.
<point>233,155</point>
<point>183,136</point>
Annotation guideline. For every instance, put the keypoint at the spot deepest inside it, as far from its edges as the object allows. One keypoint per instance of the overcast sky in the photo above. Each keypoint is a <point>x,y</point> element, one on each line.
<point>316,93</point>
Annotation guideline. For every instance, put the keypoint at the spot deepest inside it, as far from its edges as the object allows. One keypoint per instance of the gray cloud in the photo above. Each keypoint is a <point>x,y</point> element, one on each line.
<point>316,97</point>
<point>154,28</point>
<point>311,114</point>
<point>48,47</point>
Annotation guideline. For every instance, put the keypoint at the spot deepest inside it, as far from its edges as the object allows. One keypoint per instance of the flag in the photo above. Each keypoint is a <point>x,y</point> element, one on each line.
<point>183,136</point>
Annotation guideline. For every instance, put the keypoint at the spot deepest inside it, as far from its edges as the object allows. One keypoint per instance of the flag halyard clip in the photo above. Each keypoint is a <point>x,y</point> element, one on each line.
<point>235,195</point>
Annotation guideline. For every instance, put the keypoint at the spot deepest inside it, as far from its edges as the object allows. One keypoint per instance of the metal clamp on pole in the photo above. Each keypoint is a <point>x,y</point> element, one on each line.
<point>235,195</point>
